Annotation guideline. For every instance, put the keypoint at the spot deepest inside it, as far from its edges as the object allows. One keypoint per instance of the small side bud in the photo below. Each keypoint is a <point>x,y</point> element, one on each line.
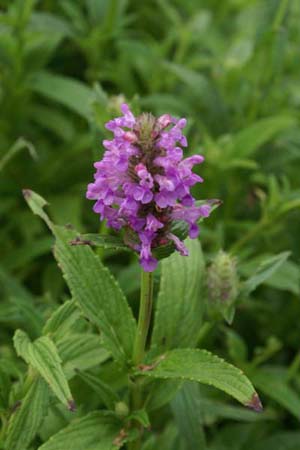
<point>223,284</point>
<point>121,409</point>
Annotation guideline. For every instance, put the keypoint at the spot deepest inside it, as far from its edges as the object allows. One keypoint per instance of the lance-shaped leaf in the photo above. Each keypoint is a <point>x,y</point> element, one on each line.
<point>264,271</point>
<point>25,421</point>
<point>42,354</point>
<point>275,386</point>
<point>187,411</point>
<point>103,390</point>
<point>96,431</point>
<point>81,351</point>
<point>179,306</point>
<point>206,368</point>
<point>92,286</point>
<point>62,320</point>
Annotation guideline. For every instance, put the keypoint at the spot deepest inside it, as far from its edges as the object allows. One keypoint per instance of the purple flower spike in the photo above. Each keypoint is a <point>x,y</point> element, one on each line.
<point>142,183</point>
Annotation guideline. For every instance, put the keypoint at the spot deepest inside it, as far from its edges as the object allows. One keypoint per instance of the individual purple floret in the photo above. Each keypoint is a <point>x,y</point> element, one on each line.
<point>143,183</point>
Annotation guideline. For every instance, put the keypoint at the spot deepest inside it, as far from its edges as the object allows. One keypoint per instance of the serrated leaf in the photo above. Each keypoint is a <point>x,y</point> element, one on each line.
<point>96,431</point>
<point>179,305</point>
<point>264,271</point>
<point>97,293</point>
<point>62,319</point>
<point>188,416</point>
<point>25,421</point>
<point>206,368</point>
<point>42,354</point>
<point>81,351</point>
<point>103,390</point>
<point>92,286</point>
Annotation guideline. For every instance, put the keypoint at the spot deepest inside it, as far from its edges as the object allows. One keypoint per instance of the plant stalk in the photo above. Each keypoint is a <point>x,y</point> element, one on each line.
<point>144,319</point>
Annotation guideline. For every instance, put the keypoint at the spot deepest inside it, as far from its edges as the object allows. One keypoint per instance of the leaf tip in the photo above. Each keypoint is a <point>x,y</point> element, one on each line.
<point>71,405</point>
<point>255,403</point>
<point>27,193</point>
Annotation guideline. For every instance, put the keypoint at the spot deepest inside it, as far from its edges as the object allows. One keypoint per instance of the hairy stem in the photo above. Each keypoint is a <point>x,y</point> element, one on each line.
<point>144,317</point>
<point>140,343</point>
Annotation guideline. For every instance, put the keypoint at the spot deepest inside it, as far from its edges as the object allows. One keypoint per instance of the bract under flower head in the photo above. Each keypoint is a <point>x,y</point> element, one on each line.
<point>143,183</point>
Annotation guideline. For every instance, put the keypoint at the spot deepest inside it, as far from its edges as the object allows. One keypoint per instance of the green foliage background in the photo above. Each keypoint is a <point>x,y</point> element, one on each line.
<point>232,68</point>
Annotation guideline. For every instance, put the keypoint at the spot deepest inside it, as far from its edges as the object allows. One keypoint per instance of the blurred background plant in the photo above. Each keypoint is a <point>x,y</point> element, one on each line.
<point>231,68</point>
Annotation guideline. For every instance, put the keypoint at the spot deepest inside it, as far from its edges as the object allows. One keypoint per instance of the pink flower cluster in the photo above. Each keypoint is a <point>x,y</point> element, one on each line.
<point>143,183</point>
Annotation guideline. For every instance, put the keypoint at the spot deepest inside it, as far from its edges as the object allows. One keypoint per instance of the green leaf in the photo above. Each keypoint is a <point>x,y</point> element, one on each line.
<point>103,390</point>
<point>81,351</point>
<point>188,415</point>
<point>206,368</point>
<point>287,277</point>
<point>42,354</point>
<point>92,286</point>
<point>247,141</point>
<point>264,271</point>
<point>275,387</point>
<point>161,392</point>
<point>97,293</point>
<point>284,440</point>
<point>96,431</point>
<point>141,417</point>
<point>67,91</point>
<point>62,319</point>
<point>103,241</point>
<point>25,421</point>
<point>179,305</point>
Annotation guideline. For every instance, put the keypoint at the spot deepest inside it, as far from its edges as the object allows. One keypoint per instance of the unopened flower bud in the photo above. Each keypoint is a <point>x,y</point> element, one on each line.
<point>164,121</point>
<point>222,280</point>
<point>121,409</point>
<point>130,136</point>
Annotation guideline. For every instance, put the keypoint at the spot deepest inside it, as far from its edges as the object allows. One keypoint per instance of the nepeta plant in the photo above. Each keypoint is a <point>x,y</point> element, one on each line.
<point>142,188</point>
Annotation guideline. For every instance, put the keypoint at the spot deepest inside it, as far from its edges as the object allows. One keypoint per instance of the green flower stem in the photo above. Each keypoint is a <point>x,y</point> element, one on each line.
<point>140,343</point>
<point>144,317</point>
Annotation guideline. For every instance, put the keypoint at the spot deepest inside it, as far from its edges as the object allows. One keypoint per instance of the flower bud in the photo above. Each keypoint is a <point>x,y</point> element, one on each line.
<point>121,409</point>
<point>222,283</point>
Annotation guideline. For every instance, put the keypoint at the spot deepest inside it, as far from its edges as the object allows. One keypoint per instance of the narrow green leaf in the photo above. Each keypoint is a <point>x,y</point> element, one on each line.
<point>161,392</point>
<point>141,417</point>
<point>247,141</point>
<point>275,387</point>
<point>103,390</point>
<point>67,91</point>
<point>81,351</point>
<point>42,354</point>
<point>264,271</point>
<point>96,431</point>
<point>188,415</point>
<point>283,440</point>
<point>25,421</point>
<point>206,368</point>
<point>62,319</point>
<point>179,305</point>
